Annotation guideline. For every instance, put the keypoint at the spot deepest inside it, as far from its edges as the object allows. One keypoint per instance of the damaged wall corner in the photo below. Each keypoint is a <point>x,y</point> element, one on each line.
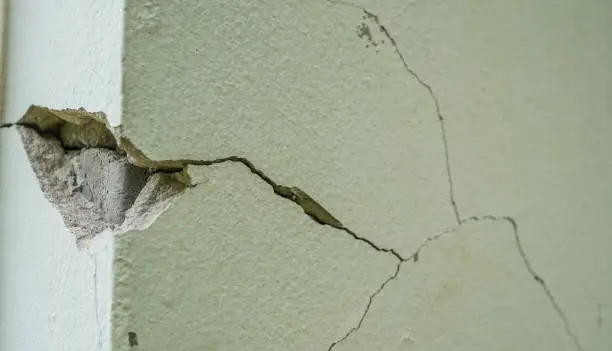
<point>86,174</point>
<point>55,295</point>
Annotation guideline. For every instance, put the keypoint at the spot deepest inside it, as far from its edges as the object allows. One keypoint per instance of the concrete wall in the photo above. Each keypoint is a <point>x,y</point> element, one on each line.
<point>459,149</point>
<point>53,295</point>
<point>366,176</point>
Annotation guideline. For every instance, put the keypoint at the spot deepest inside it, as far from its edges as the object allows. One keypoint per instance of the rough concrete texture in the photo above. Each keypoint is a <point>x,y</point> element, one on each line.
<point>107,179</point>
<point>404,119</point>
<point>95,189</point>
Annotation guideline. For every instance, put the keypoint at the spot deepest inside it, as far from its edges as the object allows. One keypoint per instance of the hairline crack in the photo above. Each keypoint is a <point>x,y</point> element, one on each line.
<point>432,95</point>
<point>459,220</point>
<point>368,306</point>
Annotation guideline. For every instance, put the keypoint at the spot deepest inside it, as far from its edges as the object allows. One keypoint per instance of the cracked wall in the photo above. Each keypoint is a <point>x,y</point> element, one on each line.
<point>95,177</point>
<point>455,153</point>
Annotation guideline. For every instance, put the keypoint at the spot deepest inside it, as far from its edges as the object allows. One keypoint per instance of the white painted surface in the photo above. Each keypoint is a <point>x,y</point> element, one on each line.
<point>54,296</point>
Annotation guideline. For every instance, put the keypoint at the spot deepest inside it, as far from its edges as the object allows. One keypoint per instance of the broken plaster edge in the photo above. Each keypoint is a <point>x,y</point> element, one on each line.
<point>50,139</point>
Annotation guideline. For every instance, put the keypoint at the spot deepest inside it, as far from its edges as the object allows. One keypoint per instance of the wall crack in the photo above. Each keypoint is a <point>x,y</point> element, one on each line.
<point>430,91</point>
<point>451,193</point>
<point>367,308</point>
<point>71,140</point>
<point>292,193</point>
<point>434,98</point>
<point>70,128</point>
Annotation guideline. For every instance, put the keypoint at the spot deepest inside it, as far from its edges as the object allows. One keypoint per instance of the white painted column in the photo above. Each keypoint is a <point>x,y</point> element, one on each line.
<point>62,53</point>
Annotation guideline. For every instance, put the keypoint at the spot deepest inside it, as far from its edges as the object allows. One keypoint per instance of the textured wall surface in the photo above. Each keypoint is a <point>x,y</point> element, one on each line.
<point>54,296</point>
<point>463,145</point>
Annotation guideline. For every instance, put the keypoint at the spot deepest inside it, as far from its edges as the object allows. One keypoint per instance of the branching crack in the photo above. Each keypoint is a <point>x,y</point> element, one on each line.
<point>367,308</point>
<point>319,214</point>
<point>460,222</point>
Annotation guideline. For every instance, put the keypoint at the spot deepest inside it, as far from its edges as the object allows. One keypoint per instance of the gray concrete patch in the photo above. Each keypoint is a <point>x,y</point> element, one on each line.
<point>97,189</point>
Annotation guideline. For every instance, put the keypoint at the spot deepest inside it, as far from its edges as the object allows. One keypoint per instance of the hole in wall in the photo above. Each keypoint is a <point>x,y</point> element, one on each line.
<point>93,175</point>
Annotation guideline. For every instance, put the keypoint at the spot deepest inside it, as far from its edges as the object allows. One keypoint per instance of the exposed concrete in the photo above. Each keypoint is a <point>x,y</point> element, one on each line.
<point>107,179</point>
<point>86,175</point>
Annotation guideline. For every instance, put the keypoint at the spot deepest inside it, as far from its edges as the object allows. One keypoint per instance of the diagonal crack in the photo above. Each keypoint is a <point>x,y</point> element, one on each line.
<point>311,207</point>
<point>367,308</point>
<point>292,193</point>
<point>538,278</point>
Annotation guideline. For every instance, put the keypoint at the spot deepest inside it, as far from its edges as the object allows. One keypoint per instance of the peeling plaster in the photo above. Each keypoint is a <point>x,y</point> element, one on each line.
<point>385,31</point>
<point>87,175</point>
<point>79,129</point>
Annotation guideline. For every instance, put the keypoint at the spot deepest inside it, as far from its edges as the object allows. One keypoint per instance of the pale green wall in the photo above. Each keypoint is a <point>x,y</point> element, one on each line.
<point>524,89</point>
